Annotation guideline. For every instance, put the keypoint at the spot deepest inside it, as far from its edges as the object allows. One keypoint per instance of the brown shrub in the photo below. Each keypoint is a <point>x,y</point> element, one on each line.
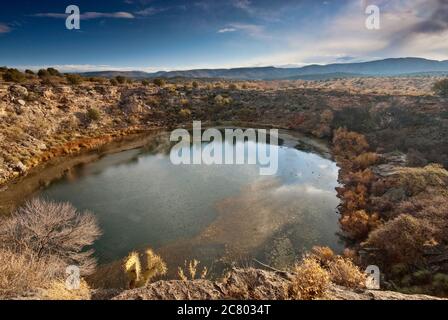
<point>22,274</point>
<point>349,144</point>
<point>365,160</point>
<point>402,239</point>
<point>322,254</point>
<point>345,273</point>
<point>416,180</point>
<point>359,223</point>
<point>310,281</point>
<point>52,229</point>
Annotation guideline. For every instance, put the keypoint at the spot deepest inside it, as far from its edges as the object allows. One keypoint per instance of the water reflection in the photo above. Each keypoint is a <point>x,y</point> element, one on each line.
<point>218,214</point>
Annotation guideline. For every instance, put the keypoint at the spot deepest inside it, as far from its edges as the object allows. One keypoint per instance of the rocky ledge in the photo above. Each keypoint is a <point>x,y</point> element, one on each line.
<point>245,284</point>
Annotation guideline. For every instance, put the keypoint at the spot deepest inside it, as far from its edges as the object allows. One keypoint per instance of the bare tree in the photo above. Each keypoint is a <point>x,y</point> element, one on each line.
<point>52,229</point>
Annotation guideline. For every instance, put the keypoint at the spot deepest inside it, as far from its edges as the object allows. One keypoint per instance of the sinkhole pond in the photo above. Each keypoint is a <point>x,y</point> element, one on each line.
<point>217,214</point>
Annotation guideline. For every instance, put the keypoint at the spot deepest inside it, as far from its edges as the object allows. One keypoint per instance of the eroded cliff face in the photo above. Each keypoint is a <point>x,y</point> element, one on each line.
<point>246,284</point>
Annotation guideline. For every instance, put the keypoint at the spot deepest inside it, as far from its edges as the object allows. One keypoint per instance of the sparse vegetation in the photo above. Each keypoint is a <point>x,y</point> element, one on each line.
<point>441,88</point>
<point>37,243</point>
<point>139,275</point>
<point>159,82</point>
<point>311,281</point>
<point>93,114</point>
<point>74,79</point>
<point>14,75</point>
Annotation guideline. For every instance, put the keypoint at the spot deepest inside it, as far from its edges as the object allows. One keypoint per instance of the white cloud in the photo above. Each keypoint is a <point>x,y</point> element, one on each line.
<point>89,15</point>
<point>224,30</point>
<point>150,11</point>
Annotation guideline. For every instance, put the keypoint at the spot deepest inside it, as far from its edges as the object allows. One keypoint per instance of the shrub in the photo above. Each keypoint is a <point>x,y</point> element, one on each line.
<point>190,271</point>
<point>185,113</point>
<point>345,273</point>
<point>358,224</point>
<point>22,273</point>
<point>195,84</point>
<point>159,82</point>
<point>440,283</point>
<point>349,144</point>
<point>416,180</point>
<point>43,73</point>
<point>14,75</point>
<point>93,114</point>
<point>441,88</point>
<point>49,229</point>
<point>74,79</point>
<point>113,82</point>
<point>402,239</point>
<point>121,79</point>
<point>28,71</point>
<point>137,276</point>
<point>145,83</point>
<point>365,160</point>
<point>53,72</point>
<point>310,280</point>
<point>323,254</point>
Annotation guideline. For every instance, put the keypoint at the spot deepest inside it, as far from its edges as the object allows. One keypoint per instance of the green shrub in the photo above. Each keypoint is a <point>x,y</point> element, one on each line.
<point>114,82</point>
<point>74,79</point>
<point>54,72</point>
<point>441,88</point>
<point>145,83</point>
<point>159,82</point>
<point>28,71</point>
<point>14,75</point>
<point>121,79</point>
<point>42,73</point>
<point>93,114</point>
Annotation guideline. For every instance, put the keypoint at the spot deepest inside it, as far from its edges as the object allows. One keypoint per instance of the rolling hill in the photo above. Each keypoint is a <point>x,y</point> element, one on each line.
<point>385,67</point>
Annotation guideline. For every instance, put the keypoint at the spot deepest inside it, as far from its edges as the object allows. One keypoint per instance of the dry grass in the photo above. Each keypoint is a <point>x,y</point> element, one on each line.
<point>191,270</point>
<point>21,275</point>
<point>58,291</point>
<point>345,273</point>
<point>310,281</point>
<point>342,270</point>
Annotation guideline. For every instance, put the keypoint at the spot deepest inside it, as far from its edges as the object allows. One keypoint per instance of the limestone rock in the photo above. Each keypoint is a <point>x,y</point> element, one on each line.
<point>18,91</point>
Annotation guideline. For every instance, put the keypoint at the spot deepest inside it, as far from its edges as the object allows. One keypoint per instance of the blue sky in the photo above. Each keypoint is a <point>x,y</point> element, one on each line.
<point>165,35</point>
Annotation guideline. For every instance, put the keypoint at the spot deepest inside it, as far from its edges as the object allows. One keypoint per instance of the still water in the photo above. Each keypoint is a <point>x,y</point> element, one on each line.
<point>218,214</point>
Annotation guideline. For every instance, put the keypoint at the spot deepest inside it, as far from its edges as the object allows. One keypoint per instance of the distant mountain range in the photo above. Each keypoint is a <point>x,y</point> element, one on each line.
<point>386,67</point>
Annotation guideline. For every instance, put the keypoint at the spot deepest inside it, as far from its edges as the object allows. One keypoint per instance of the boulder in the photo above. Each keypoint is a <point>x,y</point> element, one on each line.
<point>18,91</point>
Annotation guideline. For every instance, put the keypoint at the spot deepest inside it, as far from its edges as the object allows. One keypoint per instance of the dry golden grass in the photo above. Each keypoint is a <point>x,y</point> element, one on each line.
<point>59,291</point>
<point>190,270</point>
<point>21,275</point>
<point>345,273</point>
<point>311,281</point>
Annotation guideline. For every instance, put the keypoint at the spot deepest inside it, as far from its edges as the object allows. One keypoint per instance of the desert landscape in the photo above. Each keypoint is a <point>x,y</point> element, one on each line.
<point>351,115</point>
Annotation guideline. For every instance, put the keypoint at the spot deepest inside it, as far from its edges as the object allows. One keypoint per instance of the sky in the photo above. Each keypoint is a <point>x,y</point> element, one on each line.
<point>153,35</point>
